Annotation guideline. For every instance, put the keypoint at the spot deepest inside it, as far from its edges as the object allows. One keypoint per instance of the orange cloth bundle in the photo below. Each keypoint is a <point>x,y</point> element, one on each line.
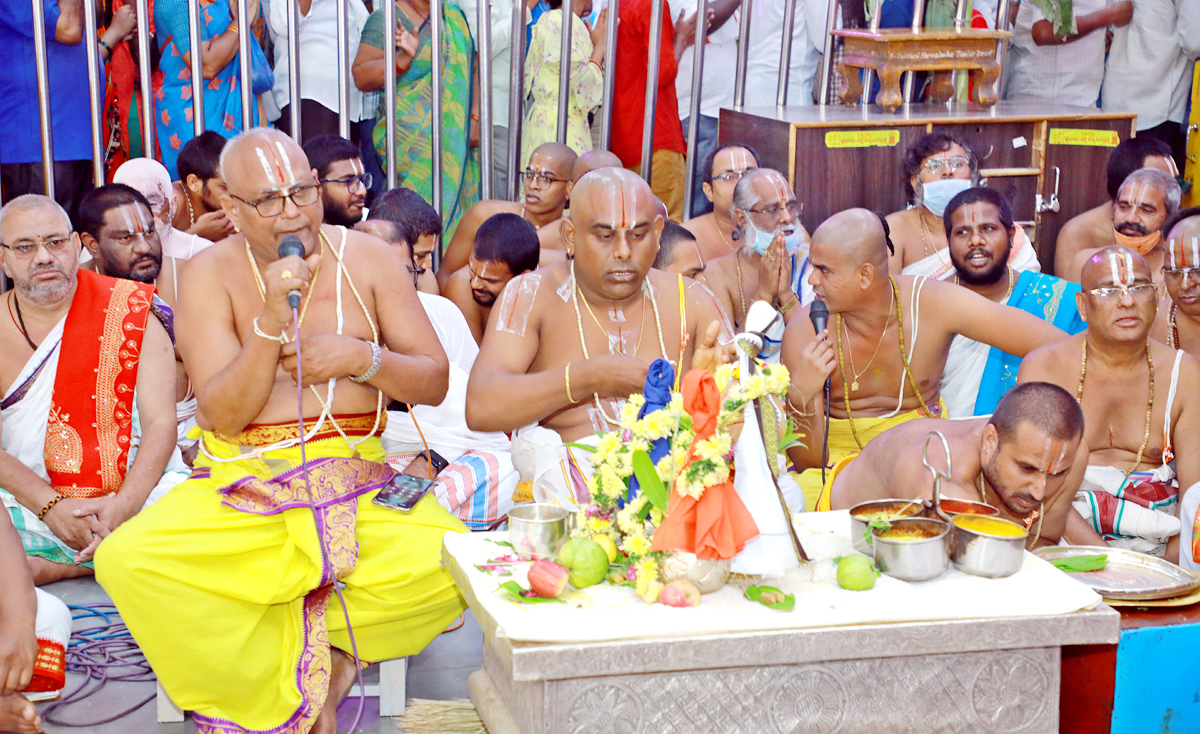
<point>718,525</point>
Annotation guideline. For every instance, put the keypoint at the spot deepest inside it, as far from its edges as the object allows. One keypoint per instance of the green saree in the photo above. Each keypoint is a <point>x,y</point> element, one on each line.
<point>414,114</point>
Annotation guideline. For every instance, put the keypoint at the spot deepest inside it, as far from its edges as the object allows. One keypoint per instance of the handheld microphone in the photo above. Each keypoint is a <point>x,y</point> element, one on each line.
<point>819,313</point>
<point>291,245</point>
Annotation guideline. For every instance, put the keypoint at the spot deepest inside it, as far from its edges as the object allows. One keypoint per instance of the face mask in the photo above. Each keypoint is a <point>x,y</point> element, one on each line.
<point>762,240</point>
<point>936,195</point>
<point>1141,244</point>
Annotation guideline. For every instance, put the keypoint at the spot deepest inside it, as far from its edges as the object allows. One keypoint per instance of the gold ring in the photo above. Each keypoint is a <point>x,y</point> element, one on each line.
<point>286,275</point>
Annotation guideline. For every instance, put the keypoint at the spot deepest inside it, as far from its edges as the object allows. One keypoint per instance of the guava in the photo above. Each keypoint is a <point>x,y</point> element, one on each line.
<point>586,560</point>
<point>856,573</point>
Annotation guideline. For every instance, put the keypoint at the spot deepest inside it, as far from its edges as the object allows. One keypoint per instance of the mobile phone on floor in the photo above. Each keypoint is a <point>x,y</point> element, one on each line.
<point>403,492</point>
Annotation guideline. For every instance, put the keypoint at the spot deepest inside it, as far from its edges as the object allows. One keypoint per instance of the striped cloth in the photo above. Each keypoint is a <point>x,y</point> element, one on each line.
<point>477,487</point>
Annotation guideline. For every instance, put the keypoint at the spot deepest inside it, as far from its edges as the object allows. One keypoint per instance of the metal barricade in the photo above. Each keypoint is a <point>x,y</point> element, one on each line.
<point>785,51</point>
<point>436,23</point>
<point>693,130</point>
<point>656,24</point>
<point>197,66</point>
<point>564,72</point>
<point>516,93</point>
<point>485,98</point>
<point>43,87</point>
<point>610,74</point>
<point>246,76</point>
<point>343,60</point>
<point>147,88</point>
<point>743,55</point>
<point>293,56</point>
<point>95,94</point>
<point>389,89</point>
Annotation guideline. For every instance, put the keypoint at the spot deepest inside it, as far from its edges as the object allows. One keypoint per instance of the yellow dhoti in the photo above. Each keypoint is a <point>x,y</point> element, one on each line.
<point>842,445</point>
<point>224,586</point>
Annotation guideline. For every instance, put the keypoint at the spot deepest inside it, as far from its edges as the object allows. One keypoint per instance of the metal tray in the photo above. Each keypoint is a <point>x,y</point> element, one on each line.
<point>1128,575</point>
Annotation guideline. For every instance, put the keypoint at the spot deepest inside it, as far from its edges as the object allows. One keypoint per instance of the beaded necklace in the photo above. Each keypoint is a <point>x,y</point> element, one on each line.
<point>1149,405</point>
<point>19,320</point>
<point>903,360</point>
<point>1172,329</point>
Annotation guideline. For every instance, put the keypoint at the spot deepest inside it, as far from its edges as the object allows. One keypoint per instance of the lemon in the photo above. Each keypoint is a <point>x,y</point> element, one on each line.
<point>856,573</point>
<point>609,547</point>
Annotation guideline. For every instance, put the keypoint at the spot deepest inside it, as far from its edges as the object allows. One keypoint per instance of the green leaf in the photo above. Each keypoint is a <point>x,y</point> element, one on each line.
<point>581,447</point>
<point>504,543</point>
<point>790,437</point>
<point>754,593</point>
<point>515,593</point>
<point>1080,564</point>
<point>647,476</point>
<point>644,513</point>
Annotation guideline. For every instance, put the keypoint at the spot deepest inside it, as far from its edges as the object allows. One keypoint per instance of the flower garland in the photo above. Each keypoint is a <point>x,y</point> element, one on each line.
<point>630,524</point>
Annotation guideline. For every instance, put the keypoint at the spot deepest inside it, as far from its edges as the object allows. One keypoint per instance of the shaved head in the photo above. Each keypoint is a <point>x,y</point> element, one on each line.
<point>593,160</point>
<point>1110,266</point>
<point>612,232</point>
<point>1183,239</point>
<point>262,157</point>
<point>855,237</point>
<point>560,155</point>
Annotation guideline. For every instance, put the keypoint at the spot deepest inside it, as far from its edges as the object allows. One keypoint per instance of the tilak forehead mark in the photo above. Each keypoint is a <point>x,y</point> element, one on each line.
<point>1121,264</point>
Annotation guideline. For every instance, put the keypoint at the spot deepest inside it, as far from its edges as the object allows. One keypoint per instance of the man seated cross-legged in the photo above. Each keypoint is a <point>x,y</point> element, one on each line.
<point>886,342</point>
<point>244,556</point>
<point>567,343</point>
<point>87,421</point>
<point>1141,406</point>
<point>1026,460</point>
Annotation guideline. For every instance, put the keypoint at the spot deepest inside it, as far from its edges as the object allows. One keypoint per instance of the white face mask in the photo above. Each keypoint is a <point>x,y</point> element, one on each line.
<point>761,240</point>
<point>936,195</point>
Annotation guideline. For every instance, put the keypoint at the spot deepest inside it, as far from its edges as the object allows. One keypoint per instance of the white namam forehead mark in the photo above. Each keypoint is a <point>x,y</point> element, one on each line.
<point>1050,464</point>
<point>135,218</point>
<point>974,212</point>
<point>1182,246</point>
<point>1121,265</point>
<point>739,160</point>
<point>286,161</point>
<point>1138,192</point>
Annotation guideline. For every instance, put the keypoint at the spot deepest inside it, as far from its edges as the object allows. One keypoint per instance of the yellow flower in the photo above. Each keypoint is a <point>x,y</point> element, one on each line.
<point>649,590</point>
<point>636,545</point>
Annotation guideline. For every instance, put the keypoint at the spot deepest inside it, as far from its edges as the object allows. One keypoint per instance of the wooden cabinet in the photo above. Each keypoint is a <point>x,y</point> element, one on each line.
<point>837,157</point>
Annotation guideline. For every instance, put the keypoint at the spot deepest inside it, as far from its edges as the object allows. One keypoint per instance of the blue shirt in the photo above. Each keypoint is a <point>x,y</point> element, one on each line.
<point>538,10</point>
<point>70,113</point>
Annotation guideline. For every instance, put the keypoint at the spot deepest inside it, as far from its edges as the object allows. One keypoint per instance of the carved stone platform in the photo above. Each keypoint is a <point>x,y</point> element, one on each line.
<point>893,51</point>
<point>991,675</point>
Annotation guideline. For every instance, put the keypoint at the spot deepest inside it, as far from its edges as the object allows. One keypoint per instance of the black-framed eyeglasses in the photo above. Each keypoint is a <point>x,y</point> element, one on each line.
<point>353,184</point>
<point>272,206</point>
<point>25,249</point>
<point>794,207</point>
<point>542,178</point>
<point>731,176</point>
<point>1176,275</point>
<point>934,165</point>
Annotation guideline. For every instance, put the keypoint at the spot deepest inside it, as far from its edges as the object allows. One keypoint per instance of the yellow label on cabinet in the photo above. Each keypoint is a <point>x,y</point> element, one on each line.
<point>862,138</point>
<point>1067,136</point>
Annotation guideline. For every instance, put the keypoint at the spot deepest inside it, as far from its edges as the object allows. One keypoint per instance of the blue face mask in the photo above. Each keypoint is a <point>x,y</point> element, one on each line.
<point>936,195</point>
<point>762,240</point>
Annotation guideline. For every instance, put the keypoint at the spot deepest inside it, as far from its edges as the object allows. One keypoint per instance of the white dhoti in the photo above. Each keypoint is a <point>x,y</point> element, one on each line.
<point>558,473</point>
<point>1137,513</point>
<point>24,413</point>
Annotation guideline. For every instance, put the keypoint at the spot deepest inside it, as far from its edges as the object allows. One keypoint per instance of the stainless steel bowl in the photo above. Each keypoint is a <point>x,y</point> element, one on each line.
<point>952,507</point>
<point>913,560</point>
<point>537,530</point>
<point>987,554</point>
<point>860,533</point>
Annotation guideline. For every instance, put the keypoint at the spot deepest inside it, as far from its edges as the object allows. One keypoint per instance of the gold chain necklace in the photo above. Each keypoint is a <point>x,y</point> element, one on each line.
<point>903,361</point>
<point>724,237</point>
<point>1149,405</point>
<point>191,214</point>
<point>1007,295</point>
<point>1039,514</point>
<point>927,238</point>
<point>737,262</point>
<point>878,344</point>
<point>583,341</point>
<point>641,328</point>
<point>262,288</point>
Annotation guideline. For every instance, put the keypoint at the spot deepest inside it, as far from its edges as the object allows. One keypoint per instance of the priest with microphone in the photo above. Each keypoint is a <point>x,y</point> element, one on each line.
<point>876,360</point>
<point>274,556</point>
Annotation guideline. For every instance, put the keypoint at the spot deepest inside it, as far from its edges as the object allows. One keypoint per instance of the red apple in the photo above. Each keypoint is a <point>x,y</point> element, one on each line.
<point>548,578</point>
<point>679,593</point>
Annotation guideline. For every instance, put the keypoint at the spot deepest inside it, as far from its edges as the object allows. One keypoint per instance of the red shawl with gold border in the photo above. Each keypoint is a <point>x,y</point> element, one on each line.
<point>91,412</point>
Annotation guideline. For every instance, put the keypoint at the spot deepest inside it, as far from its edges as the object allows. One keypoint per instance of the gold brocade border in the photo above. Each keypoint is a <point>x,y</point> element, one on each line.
<point>265,434</point>
<point>113,350</point>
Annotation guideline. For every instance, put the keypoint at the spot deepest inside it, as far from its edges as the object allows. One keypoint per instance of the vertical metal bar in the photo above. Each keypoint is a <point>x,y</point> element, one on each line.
<point>435,17</point>
<point>389,88</point>
<point>564,72</point>
<point>869,75</point>
<point>1002,10</point>
<point>960,16</point>
<point>693,130</point>
<point>246,78</point>
<point>95,94</point>
<point>918,22</point>
<point>656,25</point>
<point>785,51</point>
<point>293,53</point>
<point>485,98</point>
<point>147,101</point>
<point>610,74</point>
<point>827,58</point>
<point>343,60</point>
<point>743,55</point>
<point>197,66</point>
<point>43,87</point>
<point>516,97</point>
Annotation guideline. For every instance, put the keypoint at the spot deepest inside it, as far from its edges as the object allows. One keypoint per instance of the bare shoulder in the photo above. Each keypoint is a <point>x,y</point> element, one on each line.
<point>481,210</point>
<point>214,266</point>
<point>550,235</point>
<point>698,225</point>
<point>1055,362</point>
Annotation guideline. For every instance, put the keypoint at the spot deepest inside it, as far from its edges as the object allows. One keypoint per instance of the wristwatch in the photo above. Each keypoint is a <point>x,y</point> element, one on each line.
<point>436,460</point>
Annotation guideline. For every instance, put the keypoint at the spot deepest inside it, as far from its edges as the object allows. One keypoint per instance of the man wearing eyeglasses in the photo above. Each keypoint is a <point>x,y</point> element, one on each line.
<point>936,168</point>
<point>771,261</point>
<point>1140,409</point>
<point>244,554</point>
<point>547,188</point>
<point>344,183</point>
<point>714,231</point>
<point>1146,200</point>
<point>86,375</point>
<point>1178,321</point>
